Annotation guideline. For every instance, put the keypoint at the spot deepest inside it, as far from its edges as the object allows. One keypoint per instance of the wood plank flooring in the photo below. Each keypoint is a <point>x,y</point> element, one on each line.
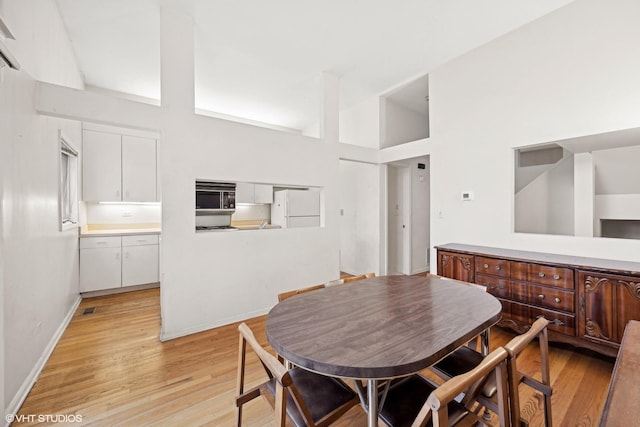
<point>110,368</point>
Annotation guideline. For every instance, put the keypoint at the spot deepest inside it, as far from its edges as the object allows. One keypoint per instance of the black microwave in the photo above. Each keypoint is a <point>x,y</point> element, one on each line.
<point>215,197</point>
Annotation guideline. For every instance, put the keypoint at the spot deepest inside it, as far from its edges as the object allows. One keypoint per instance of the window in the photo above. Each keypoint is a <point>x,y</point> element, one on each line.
<point>68,199</point>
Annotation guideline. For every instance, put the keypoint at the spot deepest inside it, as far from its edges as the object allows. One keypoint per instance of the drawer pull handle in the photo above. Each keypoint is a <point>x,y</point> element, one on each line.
<point>486,266</point>
<point>494,287</point>
<point>498,268</point>
<point>541,274</point>
<point>541,296</point>
<point>554,321</point>
<point>556,299</point>
<point>556,276</point>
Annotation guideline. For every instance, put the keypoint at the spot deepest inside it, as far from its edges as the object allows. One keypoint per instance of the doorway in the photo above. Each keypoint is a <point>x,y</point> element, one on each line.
<point>398,219</point>
<point>408,216</point>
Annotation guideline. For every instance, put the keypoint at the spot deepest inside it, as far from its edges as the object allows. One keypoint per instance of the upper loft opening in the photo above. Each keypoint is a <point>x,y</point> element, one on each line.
<point>405,113</point>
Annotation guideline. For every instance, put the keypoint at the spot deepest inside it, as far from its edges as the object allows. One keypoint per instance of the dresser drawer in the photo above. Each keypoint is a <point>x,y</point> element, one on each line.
<point>553,298</point>
<point>543,274</point>
<point>493,266</point>
<point>559,322</point>
<point>552,276</point>
<point>495,285</point>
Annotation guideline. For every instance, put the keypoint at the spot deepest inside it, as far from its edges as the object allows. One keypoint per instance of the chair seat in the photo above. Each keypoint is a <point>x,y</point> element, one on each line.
<point>463,360</point>
<point>406,397</point>
<point>322,395</point>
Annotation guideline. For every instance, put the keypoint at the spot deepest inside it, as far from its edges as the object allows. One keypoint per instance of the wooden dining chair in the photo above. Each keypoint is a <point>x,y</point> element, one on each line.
<point>465,359</point>
<point>307,398</point>
<point>415,401</point>
<point>288,294</point>
<point>515,348</point>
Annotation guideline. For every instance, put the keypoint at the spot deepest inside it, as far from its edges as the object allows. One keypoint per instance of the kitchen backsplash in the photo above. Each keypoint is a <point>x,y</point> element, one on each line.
<point>122,214</point>
<point>252,212</point>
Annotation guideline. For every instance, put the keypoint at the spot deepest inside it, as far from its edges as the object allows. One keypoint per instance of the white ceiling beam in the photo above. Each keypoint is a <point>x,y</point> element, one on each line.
<point>75,104</point>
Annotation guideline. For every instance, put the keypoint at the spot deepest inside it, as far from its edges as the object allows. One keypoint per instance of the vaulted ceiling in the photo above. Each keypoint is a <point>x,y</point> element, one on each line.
<point>262,60</point>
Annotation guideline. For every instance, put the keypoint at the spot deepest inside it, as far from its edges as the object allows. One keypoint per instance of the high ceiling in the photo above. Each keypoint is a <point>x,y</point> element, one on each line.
<point>262,60</point>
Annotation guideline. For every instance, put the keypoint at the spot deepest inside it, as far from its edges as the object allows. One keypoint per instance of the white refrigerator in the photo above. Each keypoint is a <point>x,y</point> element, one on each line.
<point>296,208</point>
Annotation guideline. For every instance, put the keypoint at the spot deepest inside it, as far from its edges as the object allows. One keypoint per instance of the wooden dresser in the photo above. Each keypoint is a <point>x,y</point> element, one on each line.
<point>588,301</point>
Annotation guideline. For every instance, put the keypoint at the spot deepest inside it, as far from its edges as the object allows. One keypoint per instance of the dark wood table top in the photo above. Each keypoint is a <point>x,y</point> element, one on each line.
<point>377,328</point>
<point>622,405</point>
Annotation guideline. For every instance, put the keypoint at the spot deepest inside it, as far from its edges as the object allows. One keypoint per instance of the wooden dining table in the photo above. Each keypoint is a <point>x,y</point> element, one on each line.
<point>379,328</point>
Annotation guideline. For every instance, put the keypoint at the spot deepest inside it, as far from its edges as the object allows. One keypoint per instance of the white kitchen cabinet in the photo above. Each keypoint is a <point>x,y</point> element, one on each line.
<point>118,167</point>
<point>138,169</point>
<point>114,262</point>
<point>101,166</point>
<point>263,193</point>
<point>100,263</point>
<point>139,259</point>
<point>247,192</point>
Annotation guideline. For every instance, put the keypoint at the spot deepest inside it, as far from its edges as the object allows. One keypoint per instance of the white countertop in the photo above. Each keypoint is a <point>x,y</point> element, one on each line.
<point>88,231</point>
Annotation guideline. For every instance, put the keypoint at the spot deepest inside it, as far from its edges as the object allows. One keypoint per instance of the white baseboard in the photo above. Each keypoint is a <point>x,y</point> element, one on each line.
<point>21,395</point>
<point>166,336</point>
<point>421,270</point>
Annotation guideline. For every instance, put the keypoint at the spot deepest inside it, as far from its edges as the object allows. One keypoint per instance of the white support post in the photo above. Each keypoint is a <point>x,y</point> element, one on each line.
<point>584,194</point>
<point>330,112</point>
<point>177,80</point>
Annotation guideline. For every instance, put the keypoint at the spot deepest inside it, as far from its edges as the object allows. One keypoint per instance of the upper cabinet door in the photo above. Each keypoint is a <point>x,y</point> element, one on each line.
<point>101,166</point>
<point>263,193</point>
<point>138,169</point>
<point>245,192</point>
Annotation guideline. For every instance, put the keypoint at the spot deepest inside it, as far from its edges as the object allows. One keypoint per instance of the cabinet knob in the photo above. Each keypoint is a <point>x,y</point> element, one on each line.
<point>486,266</point>
<point>541,296</point>
<point>556,299</point>
<point>541,274</point>
<point>498,267</point>
<point>556,276</point>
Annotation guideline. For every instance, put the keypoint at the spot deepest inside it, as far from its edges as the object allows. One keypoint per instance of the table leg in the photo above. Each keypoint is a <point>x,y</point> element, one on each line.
<point>484,337</point>
<point>372,397</point>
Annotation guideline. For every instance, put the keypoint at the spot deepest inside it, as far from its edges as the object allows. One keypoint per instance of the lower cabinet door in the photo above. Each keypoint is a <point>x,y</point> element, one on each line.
<point>100,268</point>
<point>139,265</point>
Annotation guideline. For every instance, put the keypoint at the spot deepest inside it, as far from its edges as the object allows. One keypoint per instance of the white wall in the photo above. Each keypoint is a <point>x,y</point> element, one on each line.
<point>359,217</point>
<point>546,205</point>
<point>360,125</point>
<point>534,85</point>
<point>617,170</point>
<point>40,276</point>
<point>402,125</point>
<point>216,278</point>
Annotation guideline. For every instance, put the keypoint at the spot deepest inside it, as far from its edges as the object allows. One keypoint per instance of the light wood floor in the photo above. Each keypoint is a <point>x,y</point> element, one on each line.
<point>110,368</point>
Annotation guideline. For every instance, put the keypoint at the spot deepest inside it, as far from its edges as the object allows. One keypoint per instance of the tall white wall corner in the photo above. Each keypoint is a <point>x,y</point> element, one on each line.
<point>330,108</point>
<point>584,194</point>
